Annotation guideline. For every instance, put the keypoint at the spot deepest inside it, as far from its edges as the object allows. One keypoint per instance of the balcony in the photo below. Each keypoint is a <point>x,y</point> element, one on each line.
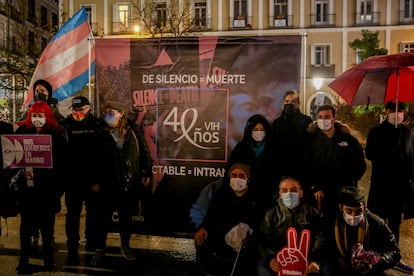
<point>322,71</point>
<point>280,22</point>
<point>240,23</point>
<point>122,27</point>
<point>367,19</point>
<point>406,17</point>
<point>201,25</point>
<point>323,20</point>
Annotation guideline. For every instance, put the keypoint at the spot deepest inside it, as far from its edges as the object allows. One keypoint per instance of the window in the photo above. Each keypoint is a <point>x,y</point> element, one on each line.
<point>200,14</point>
<point>240,9</point>
<point>321,55</point>
<point>91,12</point>
<point>31,41</point>
<point>366,11</point>
<point>54,20</point>
<point>3,36</point>
<point>280,8</point>
<point>43,16</point>
<point>121,17</point>
<point>408,8</point>
<point>161,14</point>
<point>321,11</point>
<point>407,47</point>
<point>31,12</point>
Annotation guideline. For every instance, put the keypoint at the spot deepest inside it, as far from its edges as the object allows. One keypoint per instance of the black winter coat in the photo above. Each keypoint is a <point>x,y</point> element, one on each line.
<point>331,163</point>
<point>391,151</point>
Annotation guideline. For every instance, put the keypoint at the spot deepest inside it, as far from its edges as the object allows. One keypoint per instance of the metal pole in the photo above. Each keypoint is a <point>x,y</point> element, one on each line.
<point>303,63</point>
<point>237,258</point>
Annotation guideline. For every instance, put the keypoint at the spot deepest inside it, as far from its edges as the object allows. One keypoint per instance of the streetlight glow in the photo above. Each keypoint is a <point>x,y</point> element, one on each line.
<point>317,82</point>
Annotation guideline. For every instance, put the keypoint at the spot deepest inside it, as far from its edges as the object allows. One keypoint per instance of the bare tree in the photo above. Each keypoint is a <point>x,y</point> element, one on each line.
<point>162,19</point>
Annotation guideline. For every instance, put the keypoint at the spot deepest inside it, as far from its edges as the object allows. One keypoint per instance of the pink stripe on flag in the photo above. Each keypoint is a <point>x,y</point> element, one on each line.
<point>65,42</point>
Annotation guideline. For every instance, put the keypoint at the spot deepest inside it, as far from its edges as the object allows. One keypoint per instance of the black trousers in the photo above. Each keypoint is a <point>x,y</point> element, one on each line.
<point>37,210</point>
<point>96,221</point>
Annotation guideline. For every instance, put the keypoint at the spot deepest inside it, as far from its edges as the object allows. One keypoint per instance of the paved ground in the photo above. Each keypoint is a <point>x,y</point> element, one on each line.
<point>155,255</point>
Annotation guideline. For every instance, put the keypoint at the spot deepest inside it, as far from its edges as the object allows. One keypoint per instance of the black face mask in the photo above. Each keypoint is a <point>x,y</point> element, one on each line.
<point>40,97</point>
<point>289,108</point>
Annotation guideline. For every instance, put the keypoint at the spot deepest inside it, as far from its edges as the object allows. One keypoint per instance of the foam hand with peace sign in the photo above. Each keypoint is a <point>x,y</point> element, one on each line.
<point>293,259</point>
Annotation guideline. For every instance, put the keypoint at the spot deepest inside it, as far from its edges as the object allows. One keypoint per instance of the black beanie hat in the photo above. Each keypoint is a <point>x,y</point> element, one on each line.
<point>351,196</point>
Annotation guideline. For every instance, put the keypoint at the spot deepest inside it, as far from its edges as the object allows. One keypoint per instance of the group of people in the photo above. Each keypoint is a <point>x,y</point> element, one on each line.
<point>298,178</point>
<point>101,163</point>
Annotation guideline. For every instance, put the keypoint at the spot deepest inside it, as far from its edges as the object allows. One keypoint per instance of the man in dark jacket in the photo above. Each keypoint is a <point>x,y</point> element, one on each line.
<point>288,132</point>
<point>87,178</point>
<point>390,147</point>
<point>290,211</point>
<point>332,158</point>
<point>360,243</point>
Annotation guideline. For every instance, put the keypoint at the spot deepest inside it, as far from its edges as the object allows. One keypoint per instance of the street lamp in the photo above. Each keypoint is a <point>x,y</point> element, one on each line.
<point>320,96</point>
<point>137,29</point>
<point>317,82</point>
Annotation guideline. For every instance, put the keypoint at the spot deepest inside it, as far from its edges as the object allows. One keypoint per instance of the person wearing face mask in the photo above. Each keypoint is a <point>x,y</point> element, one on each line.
<point>42,91</point>
<point>332,158</point>
<point>288,131</point>
<point>40,188</point>
<point>360,243</point>
<point>390,148</point>
<point>254,149</point>
<point>229,227</point>
<point>289,211</point>
<point>131,172</point>
<point>86,157</point>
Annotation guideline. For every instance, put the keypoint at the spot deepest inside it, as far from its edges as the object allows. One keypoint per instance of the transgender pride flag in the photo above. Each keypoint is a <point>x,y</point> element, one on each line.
<point>67,59</point>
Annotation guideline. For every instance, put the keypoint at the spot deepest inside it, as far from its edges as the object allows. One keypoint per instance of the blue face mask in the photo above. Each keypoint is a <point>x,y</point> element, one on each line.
<point>291,200</point>
<point>109,118</point>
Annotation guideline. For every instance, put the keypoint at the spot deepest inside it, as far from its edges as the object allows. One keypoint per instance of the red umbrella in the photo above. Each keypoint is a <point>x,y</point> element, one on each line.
<point>378,79</point>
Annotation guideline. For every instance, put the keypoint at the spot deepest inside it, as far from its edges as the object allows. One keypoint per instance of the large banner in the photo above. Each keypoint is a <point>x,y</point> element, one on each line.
<point>192,97</point>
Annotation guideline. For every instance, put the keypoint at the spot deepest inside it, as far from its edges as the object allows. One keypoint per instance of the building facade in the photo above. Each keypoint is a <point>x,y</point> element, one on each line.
<point>26,27</point>
<point>327,28</point>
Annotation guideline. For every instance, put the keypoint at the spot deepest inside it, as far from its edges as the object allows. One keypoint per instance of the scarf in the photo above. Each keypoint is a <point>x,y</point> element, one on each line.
<point>341,236</point>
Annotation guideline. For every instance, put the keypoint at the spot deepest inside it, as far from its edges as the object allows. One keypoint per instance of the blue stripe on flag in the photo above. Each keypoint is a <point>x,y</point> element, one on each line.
<point>77,19</point>
<point>76,84</point>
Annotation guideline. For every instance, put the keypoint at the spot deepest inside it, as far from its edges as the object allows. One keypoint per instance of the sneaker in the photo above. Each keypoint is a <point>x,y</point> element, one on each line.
<point>403,267</point>
<point>97,259</point>
<point>127,252</point>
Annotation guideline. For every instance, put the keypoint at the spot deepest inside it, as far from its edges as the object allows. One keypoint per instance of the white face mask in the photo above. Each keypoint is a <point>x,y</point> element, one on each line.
<point>38,122</point>
<point>353,220</point>
<point>324,124</point>
<point>396,115</point>
<point>238,184</point>
<point>258,135</point>
<point>291,200</point>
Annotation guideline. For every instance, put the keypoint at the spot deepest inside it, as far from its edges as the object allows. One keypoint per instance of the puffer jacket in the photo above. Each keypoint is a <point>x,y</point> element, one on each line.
<point>331,163</point>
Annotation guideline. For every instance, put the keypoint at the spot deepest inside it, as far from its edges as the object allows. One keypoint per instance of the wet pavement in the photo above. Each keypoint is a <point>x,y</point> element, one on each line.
<point>154,255</point>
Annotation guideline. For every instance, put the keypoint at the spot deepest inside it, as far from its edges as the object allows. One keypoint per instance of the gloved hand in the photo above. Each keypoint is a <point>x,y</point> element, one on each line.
<point>237,235</point>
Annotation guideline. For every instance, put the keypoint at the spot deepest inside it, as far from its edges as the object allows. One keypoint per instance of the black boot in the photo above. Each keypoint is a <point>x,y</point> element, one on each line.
<point>23,267</point>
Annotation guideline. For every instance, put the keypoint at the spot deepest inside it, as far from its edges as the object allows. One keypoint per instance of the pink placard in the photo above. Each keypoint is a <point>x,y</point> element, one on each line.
<point>26,150</point>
